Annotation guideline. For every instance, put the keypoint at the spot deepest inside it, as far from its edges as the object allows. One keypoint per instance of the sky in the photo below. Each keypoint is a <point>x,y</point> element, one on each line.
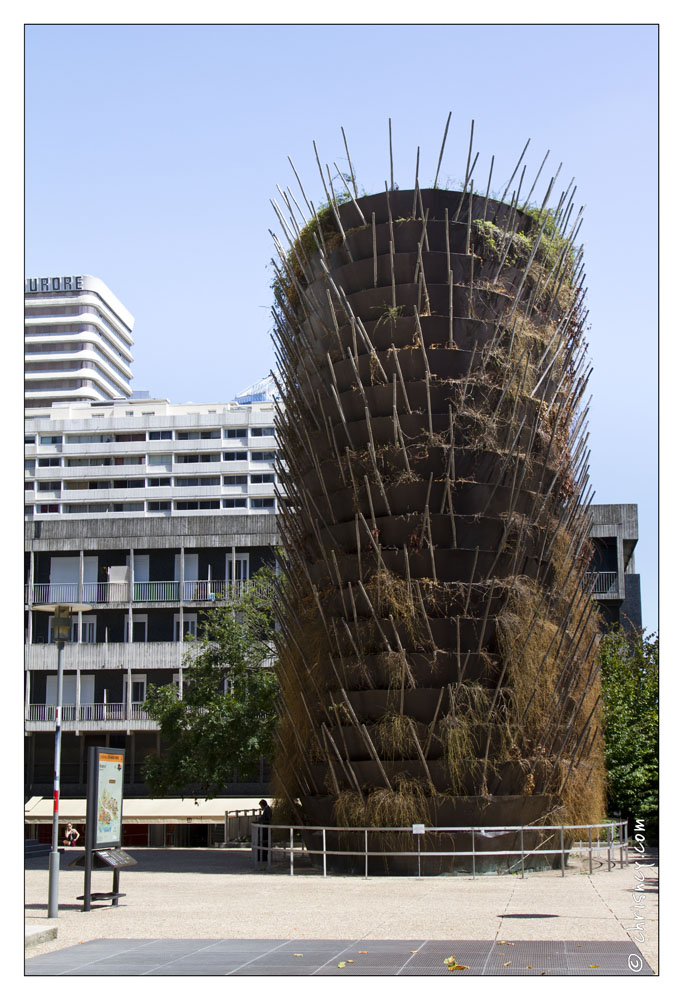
<point>152,154</point>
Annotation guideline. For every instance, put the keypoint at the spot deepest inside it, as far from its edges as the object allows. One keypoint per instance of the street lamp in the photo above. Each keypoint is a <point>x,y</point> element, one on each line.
<point>61,629</point>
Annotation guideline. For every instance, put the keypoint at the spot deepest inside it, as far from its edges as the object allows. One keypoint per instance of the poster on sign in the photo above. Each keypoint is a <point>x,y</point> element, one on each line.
<point>106,797</point>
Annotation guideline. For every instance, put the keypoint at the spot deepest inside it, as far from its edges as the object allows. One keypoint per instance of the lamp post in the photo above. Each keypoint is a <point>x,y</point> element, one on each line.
<point>61,628</point>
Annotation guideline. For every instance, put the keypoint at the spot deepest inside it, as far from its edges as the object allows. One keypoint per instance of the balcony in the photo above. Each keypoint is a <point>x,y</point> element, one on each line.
<point>89,656</point>
<point>144,592</point>
<point>603,586</point>
<point>90,717</point>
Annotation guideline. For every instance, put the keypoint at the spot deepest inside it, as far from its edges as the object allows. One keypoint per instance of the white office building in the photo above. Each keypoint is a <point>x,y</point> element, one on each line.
<point>149,458</point>
<point>77,341</point>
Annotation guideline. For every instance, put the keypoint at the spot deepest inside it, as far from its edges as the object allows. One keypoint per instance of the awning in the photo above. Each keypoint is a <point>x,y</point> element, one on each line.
<point>190,810</point>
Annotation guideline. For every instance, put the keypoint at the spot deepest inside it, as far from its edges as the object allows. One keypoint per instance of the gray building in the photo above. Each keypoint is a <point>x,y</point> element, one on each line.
<point>613,579</point>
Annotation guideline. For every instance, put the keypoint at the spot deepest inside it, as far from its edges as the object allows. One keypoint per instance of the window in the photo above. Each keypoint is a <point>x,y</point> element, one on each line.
<point>238,502</point>
<point>139,628</point>
<point>196,457</point>
<point>235,432</point>
<point>234,480</point>
<point>263,477</point>
<point>189,626</point>
<point>138,688</point>
<point>197,504</point>
<point>262,502</point>
<point>241,568</point>
<point>50,439</point>
<point>127,484</point>
<point>262,456</point>
<point>140,436</point>
<point>159,459</point>
<point>29,439</point>
<point>197,435</point>
<point>234,456</point>
<point>89,632</point>
<point>262,431</point>
<point>46,463</point>
<point>160,481</point>
<point>48,508</point>
<point>29,465</point>
<point>198,481</point>
<point>160,435</point>
<point>89,439</point>
<point>158,505</point>
<point>51,486</point>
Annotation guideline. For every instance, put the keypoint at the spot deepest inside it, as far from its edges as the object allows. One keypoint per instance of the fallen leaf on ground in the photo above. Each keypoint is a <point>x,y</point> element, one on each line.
<point>449,961</point>
<point>297,955</point>
<point>457,968</point>
<point>505,964</point>
<point>593,966</point>
<point>362,952</point>
<point>529,966</point>
<point>349,961</point>
<point>340,965</point>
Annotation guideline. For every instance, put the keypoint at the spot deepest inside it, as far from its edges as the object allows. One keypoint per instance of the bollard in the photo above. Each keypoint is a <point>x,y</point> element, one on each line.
<point>291,850</point>
<point>590,851</point>
<point>324,853</point>
<point>473,859</point>
<point>562,849</point>
<point>366,853</point>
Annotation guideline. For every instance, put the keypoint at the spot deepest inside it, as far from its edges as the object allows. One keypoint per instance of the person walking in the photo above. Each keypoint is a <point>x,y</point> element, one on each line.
<point>265,818</point>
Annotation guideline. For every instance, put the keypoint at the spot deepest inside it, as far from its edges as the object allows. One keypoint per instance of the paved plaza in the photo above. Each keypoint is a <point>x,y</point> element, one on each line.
<point>207,912</point>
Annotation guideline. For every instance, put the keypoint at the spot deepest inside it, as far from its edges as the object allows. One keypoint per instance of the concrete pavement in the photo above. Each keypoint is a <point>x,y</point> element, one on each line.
<point>215,894</point>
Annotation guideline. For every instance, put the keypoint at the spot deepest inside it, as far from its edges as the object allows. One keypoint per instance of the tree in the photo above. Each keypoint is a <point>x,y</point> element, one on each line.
<point>630,683</point>
<point>225,720</point>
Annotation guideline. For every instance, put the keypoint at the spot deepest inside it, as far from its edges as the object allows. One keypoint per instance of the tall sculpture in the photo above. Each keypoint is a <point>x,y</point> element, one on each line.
<point>437,645</point>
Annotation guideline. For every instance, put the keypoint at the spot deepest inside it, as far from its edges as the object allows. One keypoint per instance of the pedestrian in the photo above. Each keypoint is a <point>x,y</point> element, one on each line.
<point>265,818</point>
<point>71,835</point>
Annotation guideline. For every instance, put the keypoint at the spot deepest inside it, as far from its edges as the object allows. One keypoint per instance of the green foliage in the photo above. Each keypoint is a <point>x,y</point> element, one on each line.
<point>490,240</point>
<point>226,718</point>
<point>630,682</point>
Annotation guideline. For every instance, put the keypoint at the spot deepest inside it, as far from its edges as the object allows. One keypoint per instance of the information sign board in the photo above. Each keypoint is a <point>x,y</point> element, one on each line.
<point>105,797</point>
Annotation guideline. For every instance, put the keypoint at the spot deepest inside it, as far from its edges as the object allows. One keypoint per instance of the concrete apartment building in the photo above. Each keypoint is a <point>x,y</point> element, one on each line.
<point>150,512</point>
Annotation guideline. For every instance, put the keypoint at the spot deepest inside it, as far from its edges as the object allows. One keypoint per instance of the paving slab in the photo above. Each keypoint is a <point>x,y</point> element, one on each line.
<point>376,958</point>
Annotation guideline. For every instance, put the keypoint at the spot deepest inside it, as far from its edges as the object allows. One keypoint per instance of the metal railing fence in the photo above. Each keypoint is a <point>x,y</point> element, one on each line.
<point>615,841</point>
<point>602,583</point>
<point>110,711</point>
<point>145,591</point>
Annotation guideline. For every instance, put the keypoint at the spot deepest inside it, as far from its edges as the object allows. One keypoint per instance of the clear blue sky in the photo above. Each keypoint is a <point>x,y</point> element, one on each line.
<point>152,153</point>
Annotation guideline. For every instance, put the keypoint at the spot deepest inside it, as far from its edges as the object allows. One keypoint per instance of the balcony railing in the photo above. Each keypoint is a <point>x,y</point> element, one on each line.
<point>97,712</point>
<point>86,656</point>
<point>605,584</point>
<point>144,592</point>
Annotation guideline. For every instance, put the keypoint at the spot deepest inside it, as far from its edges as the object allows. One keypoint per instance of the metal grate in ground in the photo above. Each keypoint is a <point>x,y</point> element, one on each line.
<point>190,957</point>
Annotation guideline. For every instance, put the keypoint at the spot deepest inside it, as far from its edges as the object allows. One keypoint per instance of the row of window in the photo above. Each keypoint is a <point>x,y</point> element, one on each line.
<point>30,464</point>
<point>152,506</point>
<point>89,628</point>
<point>49,486</point>
<point>106,438</point>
